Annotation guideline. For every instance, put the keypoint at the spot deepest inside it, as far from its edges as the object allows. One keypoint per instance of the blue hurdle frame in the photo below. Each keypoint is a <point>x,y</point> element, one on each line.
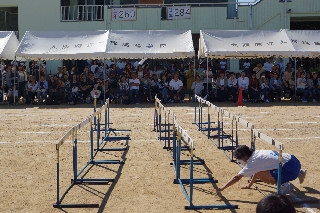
<point>95,125</point>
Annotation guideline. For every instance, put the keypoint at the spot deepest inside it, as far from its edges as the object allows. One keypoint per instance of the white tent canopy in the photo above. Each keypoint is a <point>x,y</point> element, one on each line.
<point>305,42</point>
<point>244,43</point>
<point>59,45</point>
<point>8,44</point>
<point>153,44</point>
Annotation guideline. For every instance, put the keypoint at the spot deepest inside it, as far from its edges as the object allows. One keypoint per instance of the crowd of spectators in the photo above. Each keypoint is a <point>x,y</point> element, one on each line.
<point>131,82</point>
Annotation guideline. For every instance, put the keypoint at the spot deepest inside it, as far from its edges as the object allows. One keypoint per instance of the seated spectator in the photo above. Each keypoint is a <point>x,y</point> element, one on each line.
<point>315,87</point>
<point>53,88</point>
<point>42,89</point>
<point>176,89</point>
<point>91,80</point>
<point>164,88</point>
<point>243,82</point>
<point>275,88</point>
<point>97,73</point>
<point>275,203</point>
<point>84,87</point>
<point>264,87</point>
<point>167,73</point>
<point>86,71</point>
<point>113,72</point>
<point>287,75</point>
<point>268,65</point>
<point>127,71</point>
<point>301,88</point>
<point>197,88</point>
<point>154,87</point>
<point>65,88</point>
<point>222,88</point>
<point>233,87</point>
<point>72,72</point>
<point>207,76</point>
<point>254,88</point>
<point>123,89</point>
<point>32,89</point>
<point>154,72</point>
<point>13,96</point>
<point>74,85</point>
<point>134,84</point>
<point>99,86</point>
<point>145,84</point>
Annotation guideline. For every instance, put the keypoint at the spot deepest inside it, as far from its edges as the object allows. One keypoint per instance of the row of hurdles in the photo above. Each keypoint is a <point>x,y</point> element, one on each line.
<point>97,126</point>
<point>173,135</point>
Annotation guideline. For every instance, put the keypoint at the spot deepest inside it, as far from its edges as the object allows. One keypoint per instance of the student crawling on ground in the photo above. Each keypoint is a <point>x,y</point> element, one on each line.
<point>263,164</point>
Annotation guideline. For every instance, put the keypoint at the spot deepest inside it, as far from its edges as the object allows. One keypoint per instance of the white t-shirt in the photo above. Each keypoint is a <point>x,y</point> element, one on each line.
<point>176,84</point>
<point>136,81</point>
<point>246,64</point>
<point>263,160</point>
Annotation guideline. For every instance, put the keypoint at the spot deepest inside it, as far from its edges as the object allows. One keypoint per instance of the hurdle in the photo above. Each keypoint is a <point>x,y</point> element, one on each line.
<point>234,142</point>
<point>73,132</point>
<point>180,136</point>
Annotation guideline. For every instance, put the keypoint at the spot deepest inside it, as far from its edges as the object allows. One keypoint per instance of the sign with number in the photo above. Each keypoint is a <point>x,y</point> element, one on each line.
<point>124,14</point>
<point>176,12</point>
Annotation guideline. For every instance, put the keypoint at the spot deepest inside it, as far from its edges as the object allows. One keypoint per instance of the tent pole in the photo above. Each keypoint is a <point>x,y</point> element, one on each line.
<point>14,81</point>
<point>295,78</point>
<point>104,80</point>
<point>207,76</point>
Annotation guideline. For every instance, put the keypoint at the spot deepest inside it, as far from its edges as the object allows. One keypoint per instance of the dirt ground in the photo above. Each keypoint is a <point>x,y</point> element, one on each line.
<point>28,135</point>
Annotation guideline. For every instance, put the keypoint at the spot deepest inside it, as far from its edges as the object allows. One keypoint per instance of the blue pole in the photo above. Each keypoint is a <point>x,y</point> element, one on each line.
<point>178,157</point>
<point>191,177</point>
<point>91,141</point>
<point>279,172</point>
<point>94,110</point>
<point>174,148</point>
<point>75,157</point>
<point>98,131</point>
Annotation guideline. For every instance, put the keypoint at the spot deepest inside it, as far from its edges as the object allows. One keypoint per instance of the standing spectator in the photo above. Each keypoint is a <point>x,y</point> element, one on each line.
<point>13,96</point>
<point>127,71</point>
<point>222,86</point>
<point>243,82</point>
<point>246,66</point>
<point>254,88</point>
<point>42,89</point>
<point>233,87</point>
<point>22,79</point>
<point>268,65</point>
<point>146,71</point>
<point>72,71</point>
<point>97,73</point>
<point>223,65</point>
<point>264,86</point>
<point>121,64</point>
<point>176,88</point>
<point>275,87</point>
<point>54,90</point>
<point>301,88</point>
<point>134,84</point>
<point>140,72</point>
<point>258,70</point>
<point>190,79</point>
<point>84,87</point>
<point>94,66</point>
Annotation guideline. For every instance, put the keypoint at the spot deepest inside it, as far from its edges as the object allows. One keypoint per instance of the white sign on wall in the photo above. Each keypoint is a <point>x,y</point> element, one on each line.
<point>179,12</point>
<point>124,14</point>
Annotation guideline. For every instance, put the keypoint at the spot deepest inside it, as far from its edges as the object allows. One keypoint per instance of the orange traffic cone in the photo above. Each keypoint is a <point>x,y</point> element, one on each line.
<point>240,98</point>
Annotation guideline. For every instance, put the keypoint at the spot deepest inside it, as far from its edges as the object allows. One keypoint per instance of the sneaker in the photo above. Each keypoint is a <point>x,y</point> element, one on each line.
<point>304,101</point>
<point>245,100</point>
<point>286,188</point>
<point>182,101</point>
<point>314,100</point>
<point>267,100</point>
<point>172,101</point>
<point>262,97</point>
<point>302,175</point>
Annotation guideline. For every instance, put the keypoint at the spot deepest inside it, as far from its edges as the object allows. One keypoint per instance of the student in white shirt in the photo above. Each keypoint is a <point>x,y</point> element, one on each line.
<point>134,84</point>
<point>243,82</point>
<point>246,66</point>
<point>263,164</point>
<point>175,87</point>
